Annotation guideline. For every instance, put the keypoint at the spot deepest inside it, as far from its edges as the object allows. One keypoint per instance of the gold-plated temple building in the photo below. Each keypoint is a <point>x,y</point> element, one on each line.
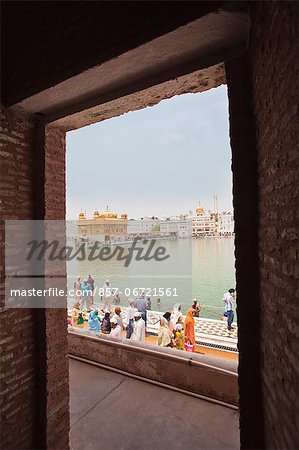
<point>103,226</point>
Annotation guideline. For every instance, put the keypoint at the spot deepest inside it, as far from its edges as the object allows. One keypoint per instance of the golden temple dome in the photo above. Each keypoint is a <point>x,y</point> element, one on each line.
<point>107,214</point>
<point>199,209</point>
<point>96,214</point>
<point>124,216</point>
<point>81,216</point>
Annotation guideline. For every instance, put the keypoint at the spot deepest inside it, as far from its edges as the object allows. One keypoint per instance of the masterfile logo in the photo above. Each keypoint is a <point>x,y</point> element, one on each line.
<point>43,260</point>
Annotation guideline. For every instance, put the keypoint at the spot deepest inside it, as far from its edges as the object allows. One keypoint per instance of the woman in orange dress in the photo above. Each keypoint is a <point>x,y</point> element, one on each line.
<point>189,328</point>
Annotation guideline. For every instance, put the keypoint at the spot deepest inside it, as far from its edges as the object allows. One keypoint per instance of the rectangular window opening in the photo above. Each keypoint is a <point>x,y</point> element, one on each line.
<point>159,177</point>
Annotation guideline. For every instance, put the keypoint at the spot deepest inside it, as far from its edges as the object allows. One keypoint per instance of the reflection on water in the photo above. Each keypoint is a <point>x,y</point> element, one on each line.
<point>201,268</point>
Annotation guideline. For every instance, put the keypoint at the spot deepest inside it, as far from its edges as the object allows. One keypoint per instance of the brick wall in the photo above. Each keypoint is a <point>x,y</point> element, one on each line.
<point>245,199</point>
<point>79,37</point>
<point>274,65</point>
<point>18,346</point>
<point>34,362</point>
<point>56,351</point>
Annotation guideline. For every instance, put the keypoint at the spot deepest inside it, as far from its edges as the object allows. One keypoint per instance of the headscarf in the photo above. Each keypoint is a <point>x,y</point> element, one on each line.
<point>163,334</point>
<point>190,317</point>
<point>163,322</point>
<point>94,321</point>
<point>167,316</point>
<point>176,313</point>
<point>176,307</point>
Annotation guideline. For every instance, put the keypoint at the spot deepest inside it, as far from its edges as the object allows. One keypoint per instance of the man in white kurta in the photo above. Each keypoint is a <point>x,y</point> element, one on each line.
<point>139,328</point>
<point>107,295</point>
<point>116,331</point>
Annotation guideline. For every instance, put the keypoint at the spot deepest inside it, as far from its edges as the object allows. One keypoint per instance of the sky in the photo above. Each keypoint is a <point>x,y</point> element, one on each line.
<point>158,161</point>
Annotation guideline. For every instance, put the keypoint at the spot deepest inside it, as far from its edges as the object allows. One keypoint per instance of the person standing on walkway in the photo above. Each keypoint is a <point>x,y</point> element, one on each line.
<point>130,318</point>
<point>229,301</point>
<point>77,290</point>
<point>225,297</point>
<point>141,305</point>
<point>163,333</point>
<point>86,295</point>
<point>189,333</point>
<point>116,331</point>
<point>139,328</point>
<point>118,317</point>
<point>107,295</point>
<point>90,281</point>
<point>177,313</point>
<point>167,316</point>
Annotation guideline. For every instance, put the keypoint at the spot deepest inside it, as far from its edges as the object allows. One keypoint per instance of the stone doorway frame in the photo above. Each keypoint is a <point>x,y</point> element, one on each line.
<point>193,75</point>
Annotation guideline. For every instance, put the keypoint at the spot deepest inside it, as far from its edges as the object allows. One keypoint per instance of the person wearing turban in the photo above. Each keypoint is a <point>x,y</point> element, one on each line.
<point>139,328</point>
<point>116,331</point>
<point>118,317</point>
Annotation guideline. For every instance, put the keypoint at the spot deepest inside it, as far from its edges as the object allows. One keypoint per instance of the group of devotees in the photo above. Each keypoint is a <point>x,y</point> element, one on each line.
<point>174,331</point>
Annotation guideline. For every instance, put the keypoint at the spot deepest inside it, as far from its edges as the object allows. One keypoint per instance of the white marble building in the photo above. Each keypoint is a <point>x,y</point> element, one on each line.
<point>203,223</point>
<point>176,226</point>
<point>143,226</point>
<point>226,224</point>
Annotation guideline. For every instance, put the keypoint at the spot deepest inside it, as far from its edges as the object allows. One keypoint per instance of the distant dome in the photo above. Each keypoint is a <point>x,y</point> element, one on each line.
<point>81,216</point>
<point>199,209</point>
<point>96,214</point>
<point>124,216</point>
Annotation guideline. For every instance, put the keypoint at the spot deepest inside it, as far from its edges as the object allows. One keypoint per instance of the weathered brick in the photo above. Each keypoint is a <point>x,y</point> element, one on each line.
<point>273,50</point>
<point>21,401</point>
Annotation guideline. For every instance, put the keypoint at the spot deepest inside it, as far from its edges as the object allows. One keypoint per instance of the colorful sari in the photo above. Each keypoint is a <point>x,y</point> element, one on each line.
<point>179,341</point>
<point>94,321</point>
<point>80,320</point>
<point>189,328</point>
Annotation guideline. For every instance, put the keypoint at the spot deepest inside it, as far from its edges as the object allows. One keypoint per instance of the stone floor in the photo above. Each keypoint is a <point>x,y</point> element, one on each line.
<point>114,412</point>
